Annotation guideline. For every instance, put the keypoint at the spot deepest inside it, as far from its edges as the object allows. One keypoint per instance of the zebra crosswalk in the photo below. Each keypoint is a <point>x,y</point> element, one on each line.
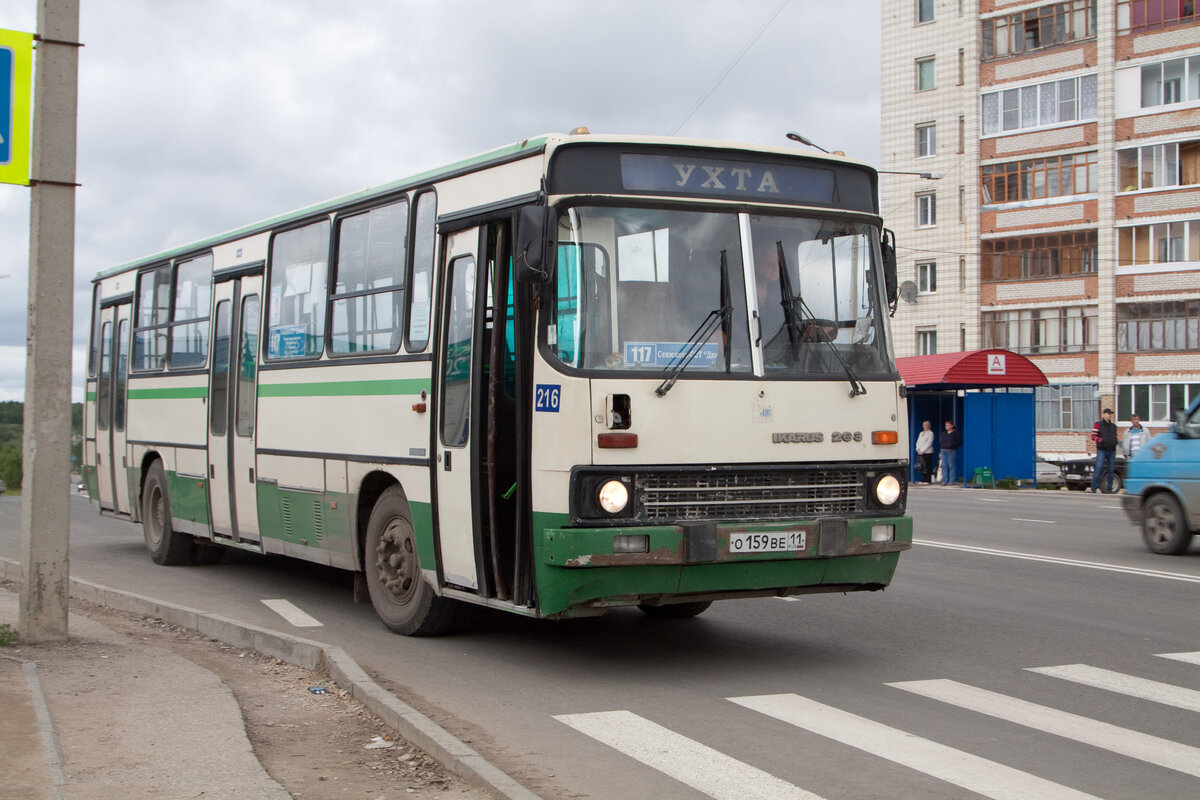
<point>720,776</point>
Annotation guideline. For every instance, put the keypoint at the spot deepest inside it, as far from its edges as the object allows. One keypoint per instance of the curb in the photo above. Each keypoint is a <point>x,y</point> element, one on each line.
<point>445,748</point>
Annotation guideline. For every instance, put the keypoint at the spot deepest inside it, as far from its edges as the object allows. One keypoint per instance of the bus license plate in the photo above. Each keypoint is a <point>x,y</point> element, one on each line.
<point>774,542</point>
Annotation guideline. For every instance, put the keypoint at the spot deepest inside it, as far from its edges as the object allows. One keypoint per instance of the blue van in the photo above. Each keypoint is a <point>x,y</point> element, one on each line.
<point>1162,485</point>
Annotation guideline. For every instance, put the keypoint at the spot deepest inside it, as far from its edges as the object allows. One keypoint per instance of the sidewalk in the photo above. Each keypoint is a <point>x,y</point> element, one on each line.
<point>103,716</point>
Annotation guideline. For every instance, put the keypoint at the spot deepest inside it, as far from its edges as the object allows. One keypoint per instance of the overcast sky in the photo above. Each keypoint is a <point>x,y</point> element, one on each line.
<point>198,117</point>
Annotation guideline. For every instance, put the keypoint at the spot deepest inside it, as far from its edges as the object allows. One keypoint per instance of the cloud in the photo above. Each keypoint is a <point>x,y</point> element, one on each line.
<point>200,117</point>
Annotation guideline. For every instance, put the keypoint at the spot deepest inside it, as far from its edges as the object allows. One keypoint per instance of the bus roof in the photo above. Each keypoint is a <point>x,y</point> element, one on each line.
<point>527,147</point>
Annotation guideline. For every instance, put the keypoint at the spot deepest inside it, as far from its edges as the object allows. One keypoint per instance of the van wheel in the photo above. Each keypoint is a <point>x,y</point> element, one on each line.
<point>165,546</point>
<point>403,600</point>
<point>676,610</point>
<point>1164,527</point>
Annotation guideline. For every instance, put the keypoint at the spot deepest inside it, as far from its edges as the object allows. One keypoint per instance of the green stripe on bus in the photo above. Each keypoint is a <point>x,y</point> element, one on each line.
<point>169,393</point>
<point>345,388</point>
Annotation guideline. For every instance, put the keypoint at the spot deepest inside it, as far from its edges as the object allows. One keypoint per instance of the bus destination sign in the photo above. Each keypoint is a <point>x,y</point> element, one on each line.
<point>728,179</point>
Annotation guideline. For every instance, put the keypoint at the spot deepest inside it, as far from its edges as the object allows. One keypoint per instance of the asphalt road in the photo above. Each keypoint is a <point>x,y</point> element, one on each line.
<point>1021,652</point>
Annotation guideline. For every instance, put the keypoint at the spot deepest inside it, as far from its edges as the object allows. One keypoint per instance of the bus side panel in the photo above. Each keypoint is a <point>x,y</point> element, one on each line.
<point>188,488</point>
<point>306,498</point>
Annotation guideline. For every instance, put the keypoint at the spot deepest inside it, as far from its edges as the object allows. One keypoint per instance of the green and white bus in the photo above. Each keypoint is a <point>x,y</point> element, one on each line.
<point>569,374</point>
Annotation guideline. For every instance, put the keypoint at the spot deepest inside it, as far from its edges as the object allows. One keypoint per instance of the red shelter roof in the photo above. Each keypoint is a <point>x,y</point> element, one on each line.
<point>974,370</point>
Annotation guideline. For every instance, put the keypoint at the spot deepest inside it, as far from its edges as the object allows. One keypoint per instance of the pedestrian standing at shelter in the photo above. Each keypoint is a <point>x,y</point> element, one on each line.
<point>1104,434</point>
<point>925,453</point>
<point>1135,436</point>
<point>951,441</point>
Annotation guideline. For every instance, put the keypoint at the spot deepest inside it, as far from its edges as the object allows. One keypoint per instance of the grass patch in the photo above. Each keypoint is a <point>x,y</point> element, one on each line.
<point>8,636</point>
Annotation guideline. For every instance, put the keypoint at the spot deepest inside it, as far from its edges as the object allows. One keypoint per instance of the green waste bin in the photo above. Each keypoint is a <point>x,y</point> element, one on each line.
<point>983,477</point>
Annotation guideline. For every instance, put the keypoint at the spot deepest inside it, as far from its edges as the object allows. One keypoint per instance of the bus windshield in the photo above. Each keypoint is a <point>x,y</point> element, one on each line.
<point>639,288</point>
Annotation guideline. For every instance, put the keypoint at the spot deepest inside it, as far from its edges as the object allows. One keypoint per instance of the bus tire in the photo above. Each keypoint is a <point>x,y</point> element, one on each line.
<point>1164,527</point>
<point>165,546</point>
<point>403,600</point>
<point>676,610</point>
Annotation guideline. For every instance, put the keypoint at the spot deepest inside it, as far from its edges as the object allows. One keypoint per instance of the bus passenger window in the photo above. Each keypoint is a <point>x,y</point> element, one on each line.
<point>368,291</point>
<point>296,306</point>
<point>153,314</point>
<point>421,291</point>
<point>189,316</point>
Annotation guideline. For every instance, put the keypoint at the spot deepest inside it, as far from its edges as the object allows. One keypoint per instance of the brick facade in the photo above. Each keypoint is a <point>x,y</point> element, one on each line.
<point>1090,96</point>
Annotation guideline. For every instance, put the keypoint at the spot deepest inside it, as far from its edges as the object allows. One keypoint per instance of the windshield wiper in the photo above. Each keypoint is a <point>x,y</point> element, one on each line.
<point>717,318</point>
<point>795,310</point>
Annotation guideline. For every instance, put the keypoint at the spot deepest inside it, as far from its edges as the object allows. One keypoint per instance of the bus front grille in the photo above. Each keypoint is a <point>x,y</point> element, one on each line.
<point>750,495</point>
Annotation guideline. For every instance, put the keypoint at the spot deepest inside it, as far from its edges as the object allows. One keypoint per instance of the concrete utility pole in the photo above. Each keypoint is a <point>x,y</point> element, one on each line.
<point>45,504</point>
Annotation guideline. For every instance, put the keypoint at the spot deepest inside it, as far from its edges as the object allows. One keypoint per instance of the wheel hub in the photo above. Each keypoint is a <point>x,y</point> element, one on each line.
<point>396,561</point>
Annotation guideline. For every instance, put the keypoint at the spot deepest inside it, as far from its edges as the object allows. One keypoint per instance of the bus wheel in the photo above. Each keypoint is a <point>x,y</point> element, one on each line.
<point>1164,527</point>
<point>162,542</point>
<point>676,610</point>
<point>403,600</point>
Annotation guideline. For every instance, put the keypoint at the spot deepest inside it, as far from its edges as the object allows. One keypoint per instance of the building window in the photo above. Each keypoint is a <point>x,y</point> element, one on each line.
<point>1042,330</point>
<point>1163,243</point>
<point>925,74</point>
<point>962,69</point>
<point>1049,256</point>
<point>926,210</point>
<point>1136,15</point>
<point>1037,178</point>
<point>1155,403</point>
<point>1038,28</point>
<point>1154,327</point>
<point>1158,166</point>
<point>927,277</point>
<point>924,10</point>
<point>1039,105</point>
<point>1169,82</point>
<point>926,140</point>
<point>962,134</point>
<point>926,343</point>
<point>1069,407</point>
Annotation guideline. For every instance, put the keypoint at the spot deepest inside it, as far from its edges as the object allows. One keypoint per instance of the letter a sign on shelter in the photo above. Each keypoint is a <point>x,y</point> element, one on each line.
<point>16,57</point>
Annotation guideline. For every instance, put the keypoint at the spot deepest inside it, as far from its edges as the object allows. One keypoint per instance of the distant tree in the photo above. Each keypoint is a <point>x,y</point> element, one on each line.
<point>12,412</point>
<point>10,466</point>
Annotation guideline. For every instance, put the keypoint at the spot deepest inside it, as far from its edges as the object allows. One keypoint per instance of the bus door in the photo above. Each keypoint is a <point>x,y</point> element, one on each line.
<point>111,384</point>
<point>457,511</point>
<point>232,493</point>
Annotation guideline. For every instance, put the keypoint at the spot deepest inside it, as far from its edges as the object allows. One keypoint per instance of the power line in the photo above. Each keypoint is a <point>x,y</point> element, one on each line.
<point>728,69</point>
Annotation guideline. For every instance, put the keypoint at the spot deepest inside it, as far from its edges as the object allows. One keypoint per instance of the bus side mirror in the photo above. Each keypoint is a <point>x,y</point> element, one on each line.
<point>891,286</point>
<point>536,237</point>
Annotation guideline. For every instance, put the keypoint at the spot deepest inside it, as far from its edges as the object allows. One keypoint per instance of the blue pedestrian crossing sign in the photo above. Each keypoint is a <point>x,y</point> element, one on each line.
<point>16,58</point>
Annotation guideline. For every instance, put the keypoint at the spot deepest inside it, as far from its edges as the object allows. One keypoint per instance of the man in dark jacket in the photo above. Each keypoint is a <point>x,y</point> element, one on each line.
<point>1104,434</point>
<point>951,441</point>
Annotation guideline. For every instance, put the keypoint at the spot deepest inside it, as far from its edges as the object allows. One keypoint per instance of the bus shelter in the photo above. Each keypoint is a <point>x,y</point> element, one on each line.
<point>975,391</point>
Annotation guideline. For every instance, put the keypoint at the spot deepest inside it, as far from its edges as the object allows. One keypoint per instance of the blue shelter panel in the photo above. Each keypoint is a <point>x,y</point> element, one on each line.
<point>998,432</point>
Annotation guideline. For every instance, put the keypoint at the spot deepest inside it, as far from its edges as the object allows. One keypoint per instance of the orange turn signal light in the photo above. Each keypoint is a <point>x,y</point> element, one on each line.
<point>884,437</point>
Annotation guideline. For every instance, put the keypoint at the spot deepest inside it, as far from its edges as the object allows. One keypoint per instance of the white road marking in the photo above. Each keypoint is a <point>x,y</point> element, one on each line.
<point>959,768</point>
<point>1190,658</point>
<point>992,500</point>
<point>1165,693</point>
<point>292,614</point>
<point>1044,521</point>
<point>694,764</point>
<point>1151,749</point>
<point>1069,562</point>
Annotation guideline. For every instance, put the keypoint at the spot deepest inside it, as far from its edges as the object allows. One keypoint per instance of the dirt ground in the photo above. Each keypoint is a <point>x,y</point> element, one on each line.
<point>316,745</point>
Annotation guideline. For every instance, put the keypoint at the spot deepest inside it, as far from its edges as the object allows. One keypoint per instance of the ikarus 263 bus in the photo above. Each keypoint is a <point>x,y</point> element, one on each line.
<point>570,374</point>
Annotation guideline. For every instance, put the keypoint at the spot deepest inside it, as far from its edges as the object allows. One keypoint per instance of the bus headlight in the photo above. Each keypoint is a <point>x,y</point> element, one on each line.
<point>613,496</point>
<point>887,490</point>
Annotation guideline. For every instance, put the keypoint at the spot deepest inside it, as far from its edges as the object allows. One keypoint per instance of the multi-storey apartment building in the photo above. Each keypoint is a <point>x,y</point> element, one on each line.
<point>1065,224</point>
